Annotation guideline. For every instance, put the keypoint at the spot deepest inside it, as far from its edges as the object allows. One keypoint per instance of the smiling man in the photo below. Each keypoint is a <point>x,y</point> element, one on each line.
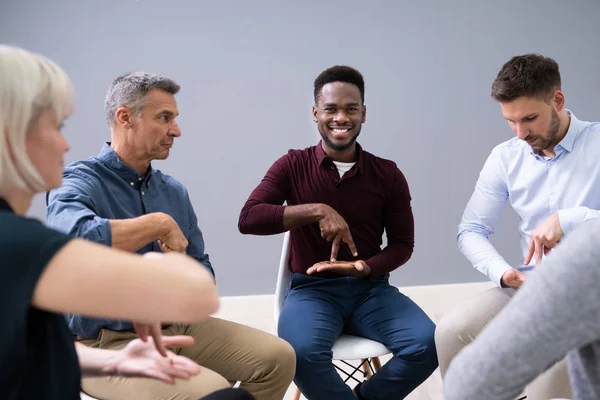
<point>340,199</point>
<point>550,173</point>
<point>118,199</point>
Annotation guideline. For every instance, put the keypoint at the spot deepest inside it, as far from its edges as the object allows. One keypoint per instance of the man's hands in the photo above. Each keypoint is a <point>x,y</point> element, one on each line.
<point>513,278</point>
<point>358,269</point>
<point>172,239</point>
<point>140,359</point>
<point>543,239</point>
<point>335,230</point>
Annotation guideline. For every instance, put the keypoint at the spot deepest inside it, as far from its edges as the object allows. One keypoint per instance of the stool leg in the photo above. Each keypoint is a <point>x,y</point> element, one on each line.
<point>297,394</point>
<point>366,369</point>
<point>376,363</point>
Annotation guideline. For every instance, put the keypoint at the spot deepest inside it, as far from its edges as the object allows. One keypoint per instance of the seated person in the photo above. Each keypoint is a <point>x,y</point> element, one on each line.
<point>550,173</point>
<point>555,313</point>
<point>118,199</point>
<point>340,199</point>
<point>44,273</point>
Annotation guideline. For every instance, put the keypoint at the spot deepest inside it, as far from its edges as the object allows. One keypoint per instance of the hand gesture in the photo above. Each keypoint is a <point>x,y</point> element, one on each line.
<point>358,269</point>
<point>543,239</point>
<point>335,230</point>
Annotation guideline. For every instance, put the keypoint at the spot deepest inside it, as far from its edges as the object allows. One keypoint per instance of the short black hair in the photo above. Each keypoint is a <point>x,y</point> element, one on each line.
<point>340,73</point>
<point>530,75</point>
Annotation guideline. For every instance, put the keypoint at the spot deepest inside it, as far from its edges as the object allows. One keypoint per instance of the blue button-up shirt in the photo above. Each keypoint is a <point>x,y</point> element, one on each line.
<point>537,187</point>
<point>102,188</point>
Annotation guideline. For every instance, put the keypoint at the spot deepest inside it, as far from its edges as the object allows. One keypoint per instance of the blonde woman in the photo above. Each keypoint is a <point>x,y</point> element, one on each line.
<point>44,273</point>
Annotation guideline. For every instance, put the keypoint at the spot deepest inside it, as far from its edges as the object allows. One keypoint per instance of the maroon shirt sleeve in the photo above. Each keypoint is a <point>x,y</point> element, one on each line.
<point>263,212</point>
<point>399,227</point>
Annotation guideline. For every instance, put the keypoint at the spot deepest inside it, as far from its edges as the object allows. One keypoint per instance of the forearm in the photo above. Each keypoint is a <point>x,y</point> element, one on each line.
<point>96,362</point>
<point>481,253</point>
<point>270,219</point>
<point>259,218</point>
<point>390,258</point>
<point>134,233</point>
<point>300,215</point>
<point>107,283</point>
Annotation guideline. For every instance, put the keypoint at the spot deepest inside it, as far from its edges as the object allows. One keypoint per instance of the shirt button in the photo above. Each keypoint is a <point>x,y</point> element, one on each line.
<point>140,179</point>
<point>131,183</point>
<point>336,180</point>
<point>332,167</point>
<point>143,193</point>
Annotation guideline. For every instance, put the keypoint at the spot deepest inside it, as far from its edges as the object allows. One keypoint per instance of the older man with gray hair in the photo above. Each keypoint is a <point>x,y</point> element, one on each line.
<point>118,199</point>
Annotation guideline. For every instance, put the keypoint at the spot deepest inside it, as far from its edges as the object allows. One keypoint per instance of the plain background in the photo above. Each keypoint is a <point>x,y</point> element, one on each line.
<point>247,69</point>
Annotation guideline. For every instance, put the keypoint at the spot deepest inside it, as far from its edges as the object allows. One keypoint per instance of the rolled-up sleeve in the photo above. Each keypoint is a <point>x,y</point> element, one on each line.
<point>71,209</point>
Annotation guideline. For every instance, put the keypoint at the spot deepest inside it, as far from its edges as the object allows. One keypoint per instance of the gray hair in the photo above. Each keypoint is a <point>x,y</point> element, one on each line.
<point>130,91</point>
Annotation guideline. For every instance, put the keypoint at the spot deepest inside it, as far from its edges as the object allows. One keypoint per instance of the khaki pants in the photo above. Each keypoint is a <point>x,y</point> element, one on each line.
<point>461,325</point>
<point>227,351</point>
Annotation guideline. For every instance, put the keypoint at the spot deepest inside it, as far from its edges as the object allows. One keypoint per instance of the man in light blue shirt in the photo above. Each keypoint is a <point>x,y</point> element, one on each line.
<point>118,199</point>
<point>550,173</point>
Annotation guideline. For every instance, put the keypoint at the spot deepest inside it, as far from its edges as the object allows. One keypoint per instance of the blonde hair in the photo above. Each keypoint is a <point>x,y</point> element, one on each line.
<point>29,84</point>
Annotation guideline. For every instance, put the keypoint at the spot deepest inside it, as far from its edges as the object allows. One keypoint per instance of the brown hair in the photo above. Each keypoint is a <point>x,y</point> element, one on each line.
<point>530,75</point>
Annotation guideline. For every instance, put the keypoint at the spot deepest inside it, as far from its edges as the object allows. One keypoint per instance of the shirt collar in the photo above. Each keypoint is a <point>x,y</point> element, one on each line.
<point>572,133</point>
<point>111,159</point>
<point>321,156</point>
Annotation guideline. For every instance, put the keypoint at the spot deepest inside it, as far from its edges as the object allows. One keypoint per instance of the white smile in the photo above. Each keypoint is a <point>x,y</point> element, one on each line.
<point>336,130</point>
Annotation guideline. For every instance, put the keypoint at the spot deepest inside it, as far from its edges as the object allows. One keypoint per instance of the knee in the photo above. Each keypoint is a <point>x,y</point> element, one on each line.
<point>423,349</point>
<point>308,352</point>
<point>452,331</point>
<point>203,387</point>
<point>281,360</point>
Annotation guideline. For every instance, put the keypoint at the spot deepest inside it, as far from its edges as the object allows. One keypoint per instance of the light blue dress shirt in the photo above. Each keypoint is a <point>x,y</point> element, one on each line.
<point>536,187</point>
<point>102,188</point>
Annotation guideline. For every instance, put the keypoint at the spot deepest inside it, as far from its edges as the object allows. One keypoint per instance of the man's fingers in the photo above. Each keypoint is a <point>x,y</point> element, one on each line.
<point>539,249</point>
<point>530,251</point>
<point>335,247</point>
<point>350,242</point>
<point>324,267</point>
<point>520,278</point>
<point>334,267</point>
<point>163,246</point>
<point>550,243</point>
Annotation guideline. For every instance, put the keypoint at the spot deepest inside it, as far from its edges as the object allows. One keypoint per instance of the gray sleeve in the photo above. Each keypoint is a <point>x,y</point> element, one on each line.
<point>584,370</point>
<point>555,311</point>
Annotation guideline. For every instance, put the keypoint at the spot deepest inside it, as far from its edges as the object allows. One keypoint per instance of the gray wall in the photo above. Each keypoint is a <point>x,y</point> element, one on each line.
<point>247,68</point>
